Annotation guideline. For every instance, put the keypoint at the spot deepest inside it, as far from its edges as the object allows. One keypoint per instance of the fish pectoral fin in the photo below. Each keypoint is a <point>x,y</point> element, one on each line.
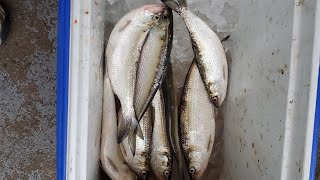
<point>225,38</point>
<point>183,3</point>
<point>139,132</point>
<point>123,128</point>
<point>132,143</point>
<point>126,125</point>
<point>153,115</point>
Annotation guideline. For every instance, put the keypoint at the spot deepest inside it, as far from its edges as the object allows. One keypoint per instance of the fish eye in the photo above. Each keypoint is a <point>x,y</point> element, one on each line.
<point>192,170</point>
<point>166,173</point>
<point>156,17</point>
<point>216,101</point>
<point>144,173</point>
<point>164,17</point>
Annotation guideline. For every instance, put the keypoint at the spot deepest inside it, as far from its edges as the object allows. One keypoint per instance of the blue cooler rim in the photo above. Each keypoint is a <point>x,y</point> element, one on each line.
<point>62,86</point>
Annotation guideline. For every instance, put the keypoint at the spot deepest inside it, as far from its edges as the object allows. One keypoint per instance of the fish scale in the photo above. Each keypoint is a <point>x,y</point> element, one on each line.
<point>154,56</point>
<point>209,53</point>
<point>122,54</point>
<point>140,162</point>
<point>210,56</point>
<point>161,156</point>
<point>112,161</point>
<point>197,123</point>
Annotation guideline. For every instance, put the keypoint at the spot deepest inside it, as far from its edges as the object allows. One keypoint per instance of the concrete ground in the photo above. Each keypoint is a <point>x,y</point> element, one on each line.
<point>27,91</point>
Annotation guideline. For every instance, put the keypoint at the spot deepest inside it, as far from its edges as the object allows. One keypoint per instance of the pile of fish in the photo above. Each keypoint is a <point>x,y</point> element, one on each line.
<point>144,130</point>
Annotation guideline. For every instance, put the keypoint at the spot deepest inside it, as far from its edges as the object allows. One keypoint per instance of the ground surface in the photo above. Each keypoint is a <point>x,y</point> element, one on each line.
<point>27,91</point>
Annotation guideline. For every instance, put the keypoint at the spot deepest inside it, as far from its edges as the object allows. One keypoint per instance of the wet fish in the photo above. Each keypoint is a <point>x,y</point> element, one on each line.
<point>161,155</point>
<point>197,123</point>
<point>140,162</point>
<point>4,23</point>
<point>172,123</point>
<point>111,158</point>
<point>209,53</point>
<point>154,58</point>
<point>123,53</point>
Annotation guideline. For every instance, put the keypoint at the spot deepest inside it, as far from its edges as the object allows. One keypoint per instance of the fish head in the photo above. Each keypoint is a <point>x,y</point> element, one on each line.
<point>142,169</point>
<point>151,14</point>
<point>217,91</point>
<point>198,162</point>
<point>164,24</point>
<point>162,163</point>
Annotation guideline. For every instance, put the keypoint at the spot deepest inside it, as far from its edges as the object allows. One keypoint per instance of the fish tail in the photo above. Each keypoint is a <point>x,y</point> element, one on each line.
<point>183,3</point>
<point>132,143</point>
<point>172,5</point>
<point>127,124</point>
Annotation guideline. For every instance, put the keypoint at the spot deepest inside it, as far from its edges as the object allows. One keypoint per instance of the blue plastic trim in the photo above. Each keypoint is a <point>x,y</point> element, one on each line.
<point>313,165</point>
<point>62,86</point>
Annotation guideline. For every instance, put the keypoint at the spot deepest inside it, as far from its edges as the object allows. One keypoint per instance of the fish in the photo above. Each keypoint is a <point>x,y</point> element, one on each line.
<point>123,53</point>
<point>197,123</point>
<point>154,58</point>
<point>172,123</point>
<point>4,23</point>
<point>209,53</point>
<point>161,153</point>
<point>111,157</point>
<point>139,162</point>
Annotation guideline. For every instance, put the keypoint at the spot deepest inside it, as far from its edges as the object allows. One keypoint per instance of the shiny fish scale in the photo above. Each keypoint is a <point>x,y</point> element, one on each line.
<point>210,56</point>
<point>152,63</point>
<point>161,157</point>
<point>112,161</point>
<point>148,66</point>
<point>197,123</point>
<point>140,162</point>
<point>123,53</point>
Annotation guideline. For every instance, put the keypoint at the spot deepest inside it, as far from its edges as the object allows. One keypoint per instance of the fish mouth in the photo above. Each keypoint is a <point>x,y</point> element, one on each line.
<point>192,171</point>
<point>144,174</point>
<point>155,8</point>
<point>167,174</point>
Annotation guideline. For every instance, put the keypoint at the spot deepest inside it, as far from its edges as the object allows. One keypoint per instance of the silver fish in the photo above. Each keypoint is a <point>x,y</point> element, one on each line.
<point>209,53</point>
<point>154,57</point>
<point>171,110</point>
<point>161,155</point>
<point>4,23</point>
<point>123,53</point>
<point>140,161</point>
<point>197,123</point>
<point>111,158</point>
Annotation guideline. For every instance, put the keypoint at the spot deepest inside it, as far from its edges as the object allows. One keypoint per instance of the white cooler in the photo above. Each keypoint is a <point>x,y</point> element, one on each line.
<point>271,113</point>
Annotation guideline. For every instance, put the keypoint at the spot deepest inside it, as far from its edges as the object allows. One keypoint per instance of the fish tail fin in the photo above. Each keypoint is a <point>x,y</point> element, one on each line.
<point>172,4</point>
<point>132,143</point>
<point>183,3</point>
<point>127,124</point>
